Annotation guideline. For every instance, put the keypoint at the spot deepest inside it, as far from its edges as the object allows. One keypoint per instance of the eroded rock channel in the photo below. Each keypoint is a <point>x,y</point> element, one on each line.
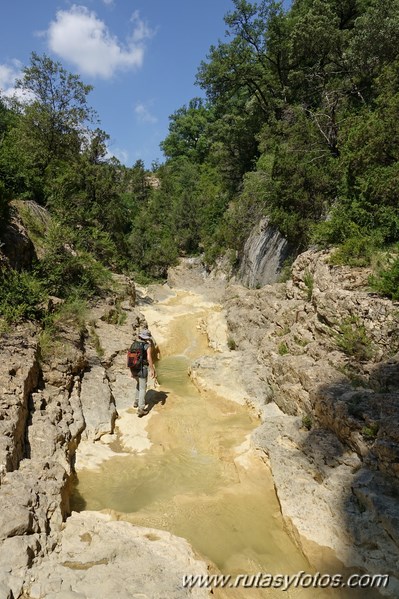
<point>197,476</point>
<point>187,489</point>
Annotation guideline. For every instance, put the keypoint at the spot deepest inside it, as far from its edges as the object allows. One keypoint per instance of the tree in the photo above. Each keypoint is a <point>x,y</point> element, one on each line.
<point>255,59</point>
<point>7,120</point>
<point>58,100</point>
<point>51,126</point>
<point>188,132</point>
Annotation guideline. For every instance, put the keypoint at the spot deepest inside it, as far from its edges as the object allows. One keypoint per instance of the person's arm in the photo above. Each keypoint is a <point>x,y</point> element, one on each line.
<point>150,361</point>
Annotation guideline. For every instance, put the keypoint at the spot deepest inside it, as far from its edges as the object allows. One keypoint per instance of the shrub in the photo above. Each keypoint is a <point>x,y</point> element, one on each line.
<point>283,349</point>
<point>71,314</point>
<point>4,206</point>
<point>68,271</point>
<point>95,339</point>
<point>116,315</point>
<point>73,274</point>
<point>231,344</point>
<point>371,431</point>
<point>307,422</point>
<point>386,281</point>
<point>309,282</point>
<point>21,294</point>
<point>286,271</point>
<point>353,340</point>
<point>355,251</point>
<point>35,218</point>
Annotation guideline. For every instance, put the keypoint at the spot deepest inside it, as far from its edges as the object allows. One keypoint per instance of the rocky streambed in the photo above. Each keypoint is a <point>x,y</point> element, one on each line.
<point>328,430</point>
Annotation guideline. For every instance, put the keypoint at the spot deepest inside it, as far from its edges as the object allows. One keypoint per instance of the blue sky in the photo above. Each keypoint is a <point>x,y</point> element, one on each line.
<point>141,56</point>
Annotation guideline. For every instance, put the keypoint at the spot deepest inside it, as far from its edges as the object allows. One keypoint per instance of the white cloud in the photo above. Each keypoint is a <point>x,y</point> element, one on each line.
<point>8,74</point>
<point>80,37</point>
<point>144,115</point>
<point>119,153</point>
<point>141,30</point>
<point>108,2</point>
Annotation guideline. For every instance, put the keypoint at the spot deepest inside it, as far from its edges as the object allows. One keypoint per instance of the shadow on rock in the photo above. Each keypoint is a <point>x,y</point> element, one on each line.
<point>363,413</point>
<point>76,500</point>
<point>153,397</point>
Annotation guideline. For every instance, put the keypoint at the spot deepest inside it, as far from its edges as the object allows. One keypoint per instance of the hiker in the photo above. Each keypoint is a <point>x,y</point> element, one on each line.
<point>139,360</point>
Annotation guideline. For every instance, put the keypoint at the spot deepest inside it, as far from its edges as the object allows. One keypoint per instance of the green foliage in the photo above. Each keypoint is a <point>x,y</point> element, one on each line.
<point>352,339</point>
<point>68,271</point>
<point>283,349</point>
<point>87,195</point>
<point>371,431</point>
<point>71,314</point>
<point>95,339</point>
<point>188,132</point>
<point>307,422</point>
<point>355,251</point>
<point>386,281</point>
<point>151,243</point>
<point>300,341</point>
<point>308,279</point>
<point>49,129</point>
<point>21,294</point>
<point>116,315</point>
<point>286,271</point>
<point>299,126</point>
<point>4,206</point>
<point>231,344</point>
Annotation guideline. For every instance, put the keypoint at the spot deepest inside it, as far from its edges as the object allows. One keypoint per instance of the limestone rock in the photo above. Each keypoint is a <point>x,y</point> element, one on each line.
<point>5,591</point>
<point>347,503</point>
<point>101,558</point>
<point>19,375</point>
<point>338,410</point>
<point>98,407</point>
<point>16,247</point>
<point>264,255</point>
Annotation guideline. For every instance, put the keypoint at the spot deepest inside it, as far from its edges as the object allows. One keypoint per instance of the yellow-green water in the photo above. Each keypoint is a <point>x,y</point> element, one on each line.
<point>190,482</point>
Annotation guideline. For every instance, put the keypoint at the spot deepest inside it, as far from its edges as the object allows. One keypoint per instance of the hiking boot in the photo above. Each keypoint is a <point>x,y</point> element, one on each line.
<point>142,412</point>
<point>135,405</point>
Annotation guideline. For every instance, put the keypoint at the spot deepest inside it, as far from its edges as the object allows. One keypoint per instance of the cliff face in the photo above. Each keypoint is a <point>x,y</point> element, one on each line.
<point>40,425</point>
<point>324,352</point>
<point>264,255</point>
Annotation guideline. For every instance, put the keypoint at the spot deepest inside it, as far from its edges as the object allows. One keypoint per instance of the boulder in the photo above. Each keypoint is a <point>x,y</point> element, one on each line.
<point>98,406</point>
<point>100,558</point>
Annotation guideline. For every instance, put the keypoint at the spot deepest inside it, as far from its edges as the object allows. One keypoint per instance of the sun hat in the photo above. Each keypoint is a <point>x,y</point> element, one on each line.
<point>145,334</point>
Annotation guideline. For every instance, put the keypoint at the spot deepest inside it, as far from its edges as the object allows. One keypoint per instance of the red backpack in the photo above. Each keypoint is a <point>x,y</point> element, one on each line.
<point>136,356</point>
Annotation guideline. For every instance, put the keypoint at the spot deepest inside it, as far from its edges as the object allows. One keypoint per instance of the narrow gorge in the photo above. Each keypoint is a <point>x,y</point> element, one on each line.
<point>279,454</point>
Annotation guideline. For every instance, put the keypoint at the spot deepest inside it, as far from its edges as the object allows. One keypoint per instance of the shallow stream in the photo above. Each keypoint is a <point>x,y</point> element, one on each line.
<point>199,479</point>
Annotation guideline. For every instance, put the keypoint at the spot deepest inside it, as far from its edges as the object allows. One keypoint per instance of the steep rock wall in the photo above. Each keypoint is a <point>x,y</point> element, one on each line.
<point>264,255</point>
